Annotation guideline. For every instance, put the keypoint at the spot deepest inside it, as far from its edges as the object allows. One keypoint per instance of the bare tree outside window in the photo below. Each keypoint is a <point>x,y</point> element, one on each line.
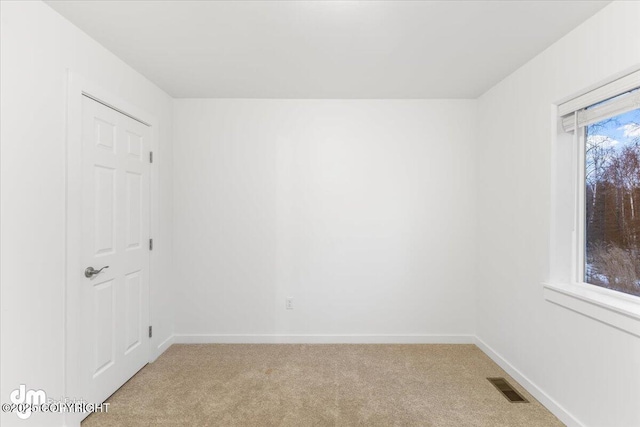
<point>612,203</point>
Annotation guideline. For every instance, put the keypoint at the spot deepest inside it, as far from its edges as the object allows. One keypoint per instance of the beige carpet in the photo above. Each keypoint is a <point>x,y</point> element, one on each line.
<point>319,385</point>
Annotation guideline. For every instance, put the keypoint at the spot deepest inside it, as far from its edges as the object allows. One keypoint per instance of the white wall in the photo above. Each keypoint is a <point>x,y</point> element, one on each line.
<point>362,211</point>
<point>588,368</point>
<point>37,46</point>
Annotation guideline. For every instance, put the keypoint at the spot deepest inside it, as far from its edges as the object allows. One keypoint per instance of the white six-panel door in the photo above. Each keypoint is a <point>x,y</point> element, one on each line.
<point>115,233</point>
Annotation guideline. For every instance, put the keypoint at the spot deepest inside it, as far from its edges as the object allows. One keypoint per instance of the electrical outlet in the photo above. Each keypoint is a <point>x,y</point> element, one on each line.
<point>289,303</point>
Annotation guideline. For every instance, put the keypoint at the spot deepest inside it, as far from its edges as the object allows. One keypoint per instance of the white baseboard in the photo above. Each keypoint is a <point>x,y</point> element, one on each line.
<point>553,406</point>
<point>162,347</point>
<point>321,339</point>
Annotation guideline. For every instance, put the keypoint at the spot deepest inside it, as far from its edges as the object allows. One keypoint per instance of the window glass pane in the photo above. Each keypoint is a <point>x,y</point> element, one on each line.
<point>612,199</point>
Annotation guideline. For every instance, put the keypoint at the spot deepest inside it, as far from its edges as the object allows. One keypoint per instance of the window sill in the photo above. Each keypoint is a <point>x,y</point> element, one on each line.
<point>622,312</point>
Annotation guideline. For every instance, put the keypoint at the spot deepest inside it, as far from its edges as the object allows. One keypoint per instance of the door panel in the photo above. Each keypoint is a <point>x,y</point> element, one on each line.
<point>115,227</point>
<point>104,211</point>
<point>133,210</point>
<point>133,320</point>
<point>104,331</point>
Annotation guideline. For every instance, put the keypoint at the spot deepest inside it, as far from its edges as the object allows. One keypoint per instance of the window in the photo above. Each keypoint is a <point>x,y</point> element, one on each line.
<point>612,202</point>
<point>606,128</point>
<point>595,215</point>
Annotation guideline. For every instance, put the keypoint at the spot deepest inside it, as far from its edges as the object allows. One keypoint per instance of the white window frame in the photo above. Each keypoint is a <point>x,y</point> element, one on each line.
<point>611,307</point>
<point>581,209</point>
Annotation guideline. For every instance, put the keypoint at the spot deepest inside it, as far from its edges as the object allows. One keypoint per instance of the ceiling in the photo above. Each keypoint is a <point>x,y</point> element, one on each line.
<point>326,49</point>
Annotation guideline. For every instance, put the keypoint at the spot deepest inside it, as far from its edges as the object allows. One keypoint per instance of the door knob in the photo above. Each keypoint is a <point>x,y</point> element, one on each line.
<point>90,271</point>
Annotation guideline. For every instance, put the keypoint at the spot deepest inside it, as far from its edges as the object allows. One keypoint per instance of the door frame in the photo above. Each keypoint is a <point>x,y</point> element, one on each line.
<point>77,87</point>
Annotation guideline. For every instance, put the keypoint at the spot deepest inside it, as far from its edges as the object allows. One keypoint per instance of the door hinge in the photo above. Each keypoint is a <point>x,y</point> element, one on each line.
<point>150,156</point>
<point>150,331</point>
<point>150,244</point>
